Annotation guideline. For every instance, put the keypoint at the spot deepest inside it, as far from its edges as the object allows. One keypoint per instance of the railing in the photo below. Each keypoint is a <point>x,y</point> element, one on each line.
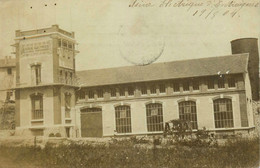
<point>37,114</point>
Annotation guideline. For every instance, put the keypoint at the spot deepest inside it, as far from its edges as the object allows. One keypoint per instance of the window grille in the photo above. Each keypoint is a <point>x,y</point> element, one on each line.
<point>223,113</point>
<point>186,86</point>
<point>130,91</point>
<point>195,85</point>
<point>90,94</point>
<point>154,117</point>
<point>188,112</point>
<point>37,106</point>
<point>231,82</point>
<point>123,119</point>
<point>162,88</point>
<point>100,93</point>
<point>153,89</point>
<point>113,92</point>
<point>176,87</point>
<point>221,82</point>
<point>143,90</point>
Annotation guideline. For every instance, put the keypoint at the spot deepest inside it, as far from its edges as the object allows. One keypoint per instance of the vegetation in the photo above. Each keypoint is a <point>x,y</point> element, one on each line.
<point>130,153</point>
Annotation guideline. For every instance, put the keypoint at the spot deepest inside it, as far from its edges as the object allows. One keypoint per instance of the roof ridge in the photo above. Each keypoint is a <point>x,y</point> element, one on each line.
<point>202,58</point>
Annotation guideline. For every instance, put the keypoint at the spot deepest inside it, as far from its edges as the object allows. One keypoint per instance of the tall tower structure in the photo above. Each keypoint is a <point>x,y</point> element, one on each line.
<point>249,45</point>
<point>45,82</point>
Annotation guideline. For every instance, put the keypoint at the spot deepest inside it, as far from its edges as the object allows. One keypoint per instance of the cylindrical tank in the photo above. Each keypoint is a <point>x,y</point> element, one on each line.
<point>249,45</point>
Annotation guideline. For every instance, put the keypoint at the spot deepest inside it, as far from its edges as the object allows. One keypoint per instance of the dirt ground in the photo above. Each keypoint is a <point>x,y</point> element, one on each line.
<point>6,162</point>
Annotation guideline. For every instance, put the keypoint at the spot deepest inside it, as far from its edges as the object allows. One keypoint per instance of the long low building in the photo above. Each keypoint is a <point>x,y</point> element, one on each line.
<point>52,99</point>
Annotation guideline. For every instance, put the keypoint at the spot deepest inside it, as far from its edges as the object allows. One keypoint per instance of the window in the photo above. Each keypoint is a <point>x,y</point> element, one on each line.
<point>153,89</point>
<point>59,42</point>
<point>90,94</point>
<point>99,93</point>
<point>64,43</point>
<point>121,92</point>
<point>9,71</point>
<point>195,85</point>
<point>70,45</point>
<point>176,87</point>
<point>123,119</point>
<point>130,90</point>
<point>92,110</point>
<point>188,112</point>
<point>162,88</point>
<point>223,113</point>
<point>231,82</point>
<point>82,95</point>
<point>221,82</point>
<point>210,83</point>
<point>113,92</point>
<point>67,105</point>
<point>154,117</point>
<point>186,86</point>
<point>36,69</point>
<point>143,90</point>
<point>37,106</point>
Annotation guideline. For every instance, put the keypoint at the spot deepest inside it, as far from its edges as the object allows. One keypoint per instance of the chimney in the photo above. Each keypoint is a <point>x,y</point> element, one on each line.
<point>249,45</point>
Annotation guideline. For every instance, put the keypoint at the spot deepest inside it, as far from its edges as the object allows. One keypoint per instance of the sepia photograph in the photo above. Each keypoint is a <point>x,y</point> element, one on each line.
<point>129,84</point>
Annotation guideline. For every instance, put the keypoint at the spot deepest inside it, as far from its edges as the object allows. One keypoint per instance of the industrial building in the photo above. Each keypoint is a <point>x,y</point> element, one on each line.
<point>52,99</point>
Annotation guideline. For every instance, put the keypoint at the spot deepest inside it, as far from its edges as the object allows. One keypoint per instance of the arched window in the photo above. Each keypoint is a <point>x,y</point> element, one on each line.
<point>188,112</point>
<point>37,106</point>
<point>223,113</point>
<point>154,117</point>
<point>123,119</point>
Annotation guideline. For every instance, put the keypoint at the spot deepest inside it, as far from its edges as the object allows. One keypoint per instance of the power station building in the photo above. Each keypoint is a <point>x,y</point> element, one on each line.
<point>52,99</point>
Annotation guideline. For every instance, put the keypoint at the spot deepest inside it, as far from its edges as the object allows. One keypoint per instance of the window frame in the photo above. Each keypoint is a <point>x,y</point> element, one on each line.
<point>37,114</point>
<point>162,88</point>
<point>190,116</point>
<point>174,86</point>
<point>223,119</point>
<point>123,125</point>
<point>143,90</point>
<point>153,89</point>
<point>154,123</point>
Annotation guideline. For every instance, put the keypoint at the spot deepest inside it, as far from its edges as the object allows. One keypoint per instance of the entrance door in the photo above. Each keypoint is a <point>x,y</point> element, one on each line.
<point>91,122</point>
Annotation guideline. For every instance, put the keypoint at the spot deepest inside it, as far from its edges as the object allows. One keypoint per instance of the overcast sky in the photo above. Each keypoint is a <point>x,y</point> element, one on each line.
<point>109,31</point>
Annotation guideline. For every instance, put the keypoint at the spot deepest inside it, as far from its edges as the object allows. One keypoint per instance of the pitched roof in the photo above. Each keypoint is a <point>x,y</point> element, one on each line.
<point>7,62</point>
<point>161,71</point>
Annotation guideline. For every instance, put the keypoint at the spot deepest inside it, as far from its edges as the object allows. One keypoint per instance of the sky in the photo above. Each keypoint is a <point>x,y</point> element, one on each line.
<point>112,34</point>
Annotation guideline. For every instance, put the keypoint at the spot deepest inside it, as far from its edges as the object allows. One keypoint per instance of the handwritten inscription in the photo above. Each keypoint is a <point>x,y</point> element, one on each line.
<point>201,8</point>
<point>36,48</point>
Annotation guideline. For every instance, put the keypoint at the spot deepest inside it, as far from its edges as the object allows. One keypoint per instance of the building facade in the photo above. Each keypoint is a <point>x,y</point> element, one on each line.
<point>7,78</point>
<point>52,99</point>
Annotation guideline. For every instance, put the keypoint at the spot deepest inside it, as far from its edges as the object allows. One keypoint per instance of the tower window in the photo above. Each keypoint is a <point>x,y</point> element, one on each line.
<point>99,93</point>
<point>221,82</point>
<point>210,83</point>
<point>36,69</point>
<point>122,92</point>
<point>90,94</point>
<point>195,85</point>
<point>9,71</point>
<point>37,106</point>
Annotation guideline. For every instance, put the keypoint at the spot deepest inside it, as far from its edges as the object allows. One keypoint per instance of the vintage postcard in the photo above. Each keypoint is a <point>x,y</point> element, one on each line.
<point>129,83</point>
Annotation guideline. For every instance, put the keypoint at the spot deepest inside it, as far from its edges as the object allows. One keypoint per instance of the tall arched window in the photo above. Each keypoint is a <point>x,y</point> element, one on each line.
<point>223,113</point>
<point>123,119</point>
<point>187,111</point>
<point>37,106</point>
<point>154,117</point>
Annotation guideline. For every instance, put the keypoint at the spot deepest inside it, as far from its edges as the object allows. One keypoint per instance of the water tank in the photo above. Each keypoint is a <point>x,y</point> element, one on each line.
<point>249,45</point>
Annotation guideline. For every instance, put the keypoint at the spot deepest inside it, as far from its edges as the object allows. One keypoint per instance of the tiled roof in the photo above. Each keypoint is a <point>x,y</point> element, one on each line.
<point>9,62</point>
<point>168,70</point>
